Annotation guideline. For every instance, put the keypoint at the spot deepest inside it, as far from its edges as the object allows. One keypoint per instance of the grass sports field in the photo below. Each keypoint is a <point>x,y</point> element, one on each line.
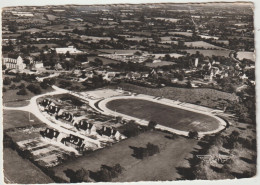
<point>164,115</point>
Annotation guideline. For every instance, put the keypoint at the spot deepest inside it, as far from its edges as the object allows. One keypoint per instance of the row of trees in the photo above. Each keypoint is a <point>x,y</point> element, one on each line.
<point>105,174</point>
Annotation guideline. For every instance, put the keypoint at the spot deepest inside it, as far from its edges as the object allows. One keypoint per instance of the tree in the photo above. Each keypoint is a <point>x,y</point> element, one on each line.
<point>22,92</point>
<point>3,67</point>
<point>44,85</point>
<point>104,175</point>
<point>189,85</point>
<point>7,81</point>
<point>193,134</point>
<point>34,89</point>
<point>152,124</point>
<point>167,57</point>
<point>118,119</point>
<point>67,54</point>
<point>81,175</point>
<point>138,53</point>
<point>13,86</point>
<point>17,79</point>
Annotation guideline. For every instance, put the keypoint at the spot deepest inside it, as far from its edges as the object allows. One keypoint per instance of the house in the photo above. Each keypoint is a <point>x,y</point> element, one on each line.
<point>12,63</point>
<point>86,126</point>
<point>53,109</point>
<point>109,76</point>
<point>58,66</point>
<point>67,116</point>
<point>45,102</point>
<point>74,141</point>
<point>50,134</point>
<point>111,132</point>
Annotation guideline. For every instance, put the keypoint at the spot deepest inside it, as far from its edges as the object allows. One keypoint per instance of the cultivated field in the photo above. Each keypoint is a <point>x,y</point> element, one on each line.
<point>172,154</point>
<point>164,115</point>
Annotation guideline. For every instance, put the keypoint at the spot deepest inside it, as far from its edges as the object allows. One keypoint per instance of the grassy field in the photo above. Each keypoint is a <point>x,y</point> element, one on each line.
<point>205,97</point>
<point>13,119</point>
<point>158,167</point>
<point>202,44</point>
<point>187,34</point>
<point>21,171</point>
<point>246,55</point>
<point>158,64</point>
<point>105,60</point>
<point>224,53</point>
<point>11,99</point>
<point>164,115</point>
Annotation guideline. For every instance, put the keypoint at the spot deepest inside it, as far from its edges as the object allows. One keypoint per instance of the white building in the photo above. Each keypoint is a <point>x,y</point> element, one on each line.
<point>12,63</point>
<point>70,49</point>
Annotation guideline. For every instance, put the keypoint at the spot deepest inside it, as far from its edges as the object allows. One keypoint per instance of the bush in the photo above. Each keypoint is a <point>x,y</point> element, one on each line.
<point>34,89</point>
<point>7,81</point>
<point>130,130</point>
<point>49,81</point>
<point>13,86</point>
<point>22,92</point>
<point>193,134</point>
<point>21,86</point>
<point>65,84</point>
<point>44,85</point>
<point>17,79</point>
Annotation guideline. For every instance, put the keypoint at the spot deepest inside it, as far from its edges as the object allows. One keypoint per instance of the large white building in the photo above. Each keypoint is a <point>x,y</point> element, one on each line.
<point>70,49</point>
<point>12,63</point>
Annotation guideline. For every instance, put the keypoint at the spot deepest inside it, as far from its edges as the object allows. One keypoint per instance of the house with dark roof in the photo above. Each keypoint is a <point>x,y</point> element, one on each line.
<point>74,141</point>
<point>67,116</point>
<point>86,126</point>
<point>110,132</point>
<point>50,133</point>
<point>53,109</point>
<point>46,102</point>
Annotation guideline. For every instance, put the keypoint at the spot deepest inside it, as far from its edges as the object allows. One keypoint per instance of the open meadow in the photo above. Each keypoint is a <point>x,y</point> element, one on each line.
<point>172,154</point>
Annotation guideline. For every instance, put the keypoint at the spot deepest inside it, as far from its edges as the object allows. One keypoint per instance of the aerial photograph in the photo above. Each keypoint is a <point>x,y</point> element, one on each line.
<point>128,92</point>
